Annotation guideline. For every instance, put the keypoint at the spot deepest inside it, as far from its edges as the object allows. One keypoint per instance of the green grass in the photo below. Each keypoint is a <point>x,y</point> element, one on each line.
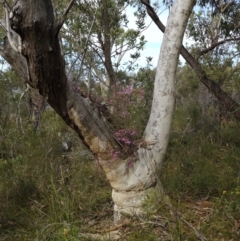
<point>40,203</point>
<point>47,196</point>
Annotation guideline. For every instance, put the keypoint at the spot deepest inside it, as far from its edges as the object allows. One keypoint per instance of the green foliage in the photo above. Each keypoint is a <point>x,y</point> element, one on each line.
<point>46,195</point>
<point>203,146</point>
<point>142,234</point>
<point>214,16</point>
<point>98,31</point>
<point>50,196</point>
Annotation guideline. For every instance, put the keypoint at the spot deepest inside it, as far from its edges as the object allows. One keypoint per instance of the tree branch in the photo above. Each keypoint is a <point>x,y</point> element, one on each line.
<point>6,5</point>
<point>16,45</point>
<point>16,60</point>
<point>204,51</point>
<point>223,97</point>
<point>88,37</point>
<point>18,118</point>
<point>63,19</point>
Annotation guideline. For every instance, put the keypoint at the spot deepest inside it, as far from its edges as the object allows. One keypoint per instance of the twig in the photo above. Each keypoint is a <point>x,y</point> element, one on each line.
<point>198,234</point>
<point>47,154</point>
<point>19,119</point>
<point>206,50</point>
<point>62,20</point>
<point>88,37</point>
<point>83,52</point>
<point>67,10</point>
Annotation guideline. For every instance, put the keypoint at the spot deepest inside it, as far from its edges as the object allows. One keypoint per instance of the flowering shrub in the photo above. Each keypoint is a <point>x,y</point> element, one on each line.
<point>125,100</point>
<point>127,110</point>
<point>126,104</point>
<point>127,138</point>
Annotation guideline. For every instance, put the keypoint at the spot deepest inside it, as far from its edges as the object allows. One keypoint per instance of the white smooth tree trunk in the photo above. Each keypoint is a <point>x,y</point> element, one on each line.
<point>133,185</point>
<point>41,64</point>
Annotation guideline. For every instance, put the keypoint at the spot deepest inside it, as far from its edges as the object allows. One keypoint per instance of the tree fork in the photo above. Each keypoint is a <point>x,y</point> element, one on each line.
<point>34,22</point>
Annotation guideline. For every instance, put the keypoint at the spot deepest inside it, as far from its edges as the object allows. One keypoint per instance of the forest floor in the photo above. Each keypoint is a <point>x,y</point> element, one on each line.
<point>76,205</point>
<point>193,220</point>
<point>48,196</point>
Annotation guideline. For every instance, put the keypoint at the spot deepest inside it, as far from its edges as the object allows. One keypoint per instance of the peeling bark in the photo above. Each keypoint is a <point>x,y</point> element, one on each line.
<point>41,61</point>
<point>36,25</point>
<point>143,179</point>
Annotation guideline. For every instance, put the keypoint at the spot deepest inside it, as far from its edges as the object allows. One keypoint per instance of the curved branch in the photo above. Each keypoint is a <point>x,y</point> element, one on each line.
<point>213,46</point>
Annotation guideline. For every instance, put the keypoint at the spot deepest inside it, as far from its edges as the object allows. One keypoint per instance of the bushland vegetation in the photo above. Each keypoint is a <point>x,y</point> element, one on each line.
<point>50,193</point>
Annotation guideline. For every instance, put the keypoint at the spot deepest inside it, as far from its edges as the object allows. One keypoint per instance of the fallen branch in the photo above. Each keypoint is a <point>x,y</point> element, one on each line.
<point>198,234</point>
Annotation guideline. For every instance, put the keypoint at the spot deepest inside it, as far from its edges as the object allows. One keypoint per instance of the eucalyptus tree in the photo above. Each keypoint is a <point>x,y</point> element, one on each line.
<point>34,51</point>
<point>214,26</point>
<point>95,38</point>
<point>216,33</point>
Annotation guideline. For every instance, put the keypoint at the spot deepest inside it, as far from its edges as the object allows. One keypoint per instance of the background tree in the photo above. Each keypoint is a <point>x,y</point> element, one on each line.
<point>222,96</point>
<point>96,37</point>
